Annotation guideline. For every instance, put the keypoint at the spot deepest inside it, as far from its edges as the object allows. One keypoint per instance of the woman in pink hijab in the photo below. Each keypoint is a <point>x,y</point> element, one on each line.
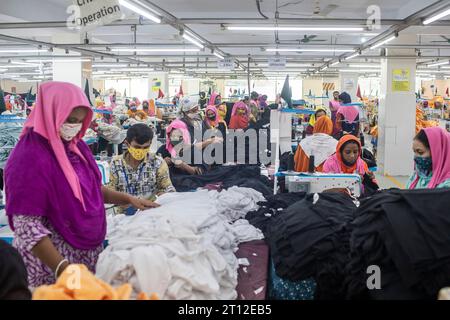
<point>55,199</point>
<point>432,159</point>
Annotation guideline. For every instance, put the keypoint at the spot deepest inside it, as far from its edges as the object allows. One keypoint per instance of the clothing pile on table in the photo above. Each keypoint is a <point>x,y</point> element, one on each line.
<point>184,249</point>
<point>224,177</point>
<point>406,234</point>
<point>111,133</point>
<point>310,239</point>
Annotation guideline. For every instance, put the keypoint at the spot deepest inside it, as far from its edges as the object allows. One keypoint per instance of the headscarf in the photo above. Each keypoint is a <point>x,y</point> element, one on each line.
<point>323,125</point>
<point>345,97</point>
<point>336,164</point>
<point>180,125</point>
<point>262,101</point>
<point>105,116</point>
<point>349,112</point>
<point>222,111</point>
<point>54,103</point>
<point>439,140</point>
<point>212,124</point>
<point>239,121</point>
<point>312,119</point>
<point>212,100</point>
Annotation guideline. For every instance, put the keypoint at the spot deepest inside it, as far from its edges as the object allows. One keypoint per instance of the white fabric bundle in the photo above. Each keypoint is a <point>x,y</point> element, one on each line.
<point>181,250</point>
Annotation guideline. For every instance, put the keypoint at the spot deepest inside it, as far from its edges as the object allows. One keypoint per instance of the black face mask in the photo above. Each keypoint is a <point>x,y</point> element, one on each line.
<point>176,142</point>
<point>212,118</point>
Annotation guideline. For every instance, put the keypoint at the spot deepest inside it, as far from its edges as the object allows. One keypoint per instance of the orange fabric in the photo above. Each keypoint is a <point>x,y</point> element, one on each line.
<point>301,161</point>
<point>323,125</point>
<point>78,283</point>
<point>342,141</point>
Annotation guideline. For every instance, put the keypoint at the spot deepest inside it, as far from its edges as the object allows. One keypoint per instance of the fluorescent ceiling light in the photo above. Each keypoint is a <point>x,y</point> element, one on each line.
<point>437,17</point>
<point>359,70</point>
<point>20,63</point>
<point>364,66</point>
<point>59,60</point>
<point>433,71</point>
<point>2,70</point>
<point>219,56</point>
<point>335,63</point>
<point>294,29</point>
<point>156,50</point>
<point>127,4</point>
<point>22,50</point>
<point>19,66</point>
<point>382,43</point>
<point>352,56</point>
<point>439,64</point>
<point>23,74</point>
<point>193,41</point>
<point>307,50</point>
<point>109,65</point>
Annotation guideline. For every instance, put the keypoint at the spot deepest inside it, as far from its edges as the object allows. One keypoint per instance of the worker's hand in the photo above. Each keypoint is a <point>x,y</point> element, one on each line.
<point>168,161</point>
<point>142,204</point>
<point>178,163</point>
<point>216,140</point>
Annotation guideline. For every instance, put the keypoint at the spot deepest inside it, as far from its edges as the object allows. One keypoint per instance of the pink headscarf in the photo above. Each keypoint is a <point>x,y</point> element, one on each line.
<point>439,140</point>
<point>208,121</point>
<point>349,112</point>
<point>239,105</point>
<point>212,99</point>
<point>54,103</point>
<point>180,125</point>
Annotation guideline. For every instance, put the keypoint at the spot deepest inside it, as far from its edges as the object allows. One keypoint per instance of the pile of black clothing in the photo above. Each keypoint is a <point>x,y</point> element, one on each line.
<point>274,204</point>
<point>310,239</point>
<point>246,176</point>
<point>406,233</point>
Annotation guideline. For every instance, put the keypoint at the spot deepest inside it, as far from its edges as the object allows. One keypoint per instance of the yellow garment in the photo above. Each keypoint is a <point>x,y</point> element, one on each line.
<point>78,283</point>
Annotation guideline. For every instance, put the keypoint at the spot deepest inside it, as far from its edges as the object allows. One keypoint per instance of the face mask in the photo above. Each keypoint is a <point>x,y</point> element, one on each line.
<point>241,112</point>
<point>217,101</point>
<point>69,131</point>
<point>212,117</point>
<point>138,154</point>
<point>176,142</point>
<point>423,165</point>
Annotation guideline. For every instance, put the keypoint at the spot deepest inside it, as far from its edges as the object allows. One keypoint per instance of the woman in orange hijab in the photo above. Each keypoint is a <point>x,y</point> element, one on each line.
<point>321,145</point>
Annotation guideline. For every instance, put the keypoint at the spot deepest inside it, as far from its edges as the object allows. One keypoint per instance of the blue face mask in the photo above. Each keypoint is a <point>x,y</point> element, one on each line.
<point>423,165</point>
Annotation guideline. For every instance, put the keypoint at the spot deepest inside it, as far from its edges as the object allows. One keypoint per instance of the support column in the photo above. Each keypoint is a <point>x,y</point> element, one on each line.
<point>397,112</point>
<point>68,71</point>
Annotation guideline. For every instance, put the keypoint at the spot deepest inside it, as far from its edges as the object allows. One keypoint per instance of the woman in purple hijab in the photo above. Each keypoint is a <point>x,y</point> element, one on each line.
<point>54,196</point>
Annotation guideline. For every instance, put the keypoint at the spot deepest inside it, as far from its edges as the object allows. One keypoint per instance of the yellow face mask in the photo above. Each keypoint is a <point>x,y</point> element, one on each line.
<point>138,154</point>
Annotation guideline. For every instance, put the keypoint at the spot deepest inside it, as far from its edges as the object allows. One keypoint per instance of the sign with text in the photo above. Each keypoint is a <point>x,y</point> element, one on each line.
<point>226,64</point>
<point>400,80</point>
<point>277,63</point>
<point>90,14</point>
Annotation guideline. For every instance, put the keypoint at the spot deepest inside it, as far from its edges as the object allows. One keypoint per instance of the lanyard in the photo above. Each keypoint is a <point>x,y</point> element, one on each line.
<point>128,187</point>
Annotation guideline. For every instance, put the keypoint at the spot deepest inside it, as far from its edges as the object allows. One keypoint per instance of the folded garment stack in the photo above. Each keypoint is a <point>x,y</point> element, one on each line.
<point>405,234</point>
<point>184,249</point>
<point>310,239</point>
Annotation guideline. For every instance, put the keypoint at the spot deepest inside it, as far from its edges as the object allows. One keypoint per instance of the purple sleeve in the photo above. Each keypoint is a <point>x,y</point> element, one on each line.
<point>29,231</point>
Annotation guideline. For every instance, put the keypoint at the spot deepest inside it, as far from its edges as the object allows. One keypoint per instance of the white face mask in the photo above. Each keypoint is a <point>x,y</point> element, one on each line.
<point>69,131</point>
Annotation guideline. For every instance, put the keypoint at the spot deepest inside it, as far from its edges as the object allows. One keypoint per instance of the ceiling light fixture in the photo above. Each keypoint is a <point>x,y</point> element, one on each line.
<point>193,40</point>
<point>58,60</point>
<point>109,65</point>
<point>353,56</point>
<point>22,50</point>
<point>335,63</point>
<point>437,17</point>
<point>156,50</point>
<point>218,55</point>
<point>364,66</point>
<point>141,10</point>
<point>269,28</point>
<point>307,50</point>
<point>382,42</point>
<point>437,64</point>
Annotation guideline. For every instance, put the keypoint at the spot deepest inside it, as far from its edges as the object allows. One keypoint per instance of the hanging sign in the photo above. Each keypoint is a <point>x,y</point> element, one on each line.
<point>90,14</point>
<point>226,64</point>
<point>401,80</point>
<point>156,84</point>
<point>277,63</point>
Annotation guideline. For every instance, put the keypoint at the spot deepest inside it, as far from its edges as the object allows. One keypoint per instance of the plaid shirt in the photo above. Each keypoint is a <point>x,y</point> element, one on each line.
<point>150,178</point>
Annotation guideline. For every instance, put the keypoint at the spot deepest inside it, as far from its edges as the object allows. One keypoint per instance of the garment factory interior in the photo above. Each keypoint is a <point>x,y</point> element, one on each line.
<point>225,150</point>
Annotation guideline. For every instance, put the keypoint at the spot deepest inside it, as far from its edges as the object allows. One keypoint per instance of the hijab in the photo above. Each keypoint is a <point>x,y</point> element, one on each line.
<point>54,103</point>
<point>335,163</point>
<point>180,125</point>
<point>209,122</point>
<point>439,140</point>
<point>323,125</point>
<point>239,121</point>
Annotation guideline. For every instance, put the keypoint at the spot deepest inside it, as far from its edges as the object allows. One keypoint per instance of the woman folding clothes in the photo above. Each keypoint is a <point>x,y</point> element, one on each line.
<point>321,145</point>
<point>55,200</point>
<point>432,159</point>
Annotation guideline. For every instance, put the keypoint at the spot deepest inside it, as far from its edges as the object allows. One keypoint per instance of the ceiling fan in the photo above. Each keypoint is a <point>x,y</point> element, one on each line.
<point>447,40</point>
<point>307,39</point>
<point>318,12</point>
